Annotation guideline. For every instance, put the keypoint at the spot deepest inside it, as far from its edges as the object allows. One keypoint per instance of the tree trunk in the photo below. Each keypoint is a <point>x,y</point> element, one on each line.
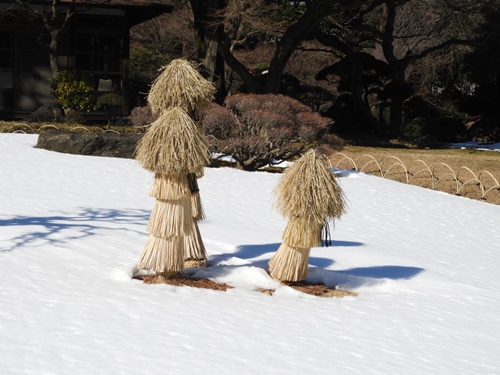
<point>313,15</point>
<point>397,72</point>
<point>357,96</point>
<point>53,45</point>
<point>208,30</point>
<point>356,76</point>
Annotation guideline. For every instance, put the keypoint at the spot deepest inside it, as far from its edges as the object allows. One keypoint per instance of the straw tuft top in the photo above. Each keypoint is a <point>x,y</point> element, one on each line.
<point>180,85</point>
<point>308,190</point>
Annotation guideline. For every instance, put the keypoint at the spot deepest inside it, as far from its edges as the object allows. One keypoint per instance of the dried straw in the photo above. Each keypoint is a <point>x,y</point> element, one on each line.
<point>170,186</point>
<point>194,249</point>
<point>180,85</point>
<point>173,145</point>
<point>289,264</point>
<point>302,233</point>
<point>309,190</point>
<point>171,218</point>
<point>161,255</point>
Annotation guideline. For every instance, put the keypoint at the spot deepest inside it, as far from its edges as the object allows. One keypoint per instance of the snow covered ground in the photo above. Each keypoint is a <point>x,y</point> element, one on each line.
<point>425,265</point>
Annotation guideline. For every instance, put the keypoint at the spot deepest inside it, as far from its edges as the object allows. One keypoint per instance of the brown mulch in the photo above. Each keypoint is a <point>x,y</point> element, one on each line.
<point>185,281</point>
<point>318,290</point>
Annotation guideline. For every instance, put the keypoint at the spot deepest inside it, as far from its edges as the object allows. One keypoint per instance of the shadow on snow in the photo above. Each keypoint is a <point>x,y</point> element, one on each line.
<point>60,228</point>
<point>245,255</point>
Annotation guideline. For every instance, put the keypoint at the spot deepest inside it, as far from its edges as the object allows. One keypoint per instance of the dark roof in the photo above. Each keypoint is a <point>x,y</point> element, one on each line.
<point>137,10</point>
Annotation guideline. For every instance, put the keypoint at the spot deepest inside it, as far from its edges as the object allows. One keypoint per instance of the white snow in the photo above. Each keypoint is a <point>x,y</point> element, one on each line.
<point>425,265</point>
<point>477,146</point>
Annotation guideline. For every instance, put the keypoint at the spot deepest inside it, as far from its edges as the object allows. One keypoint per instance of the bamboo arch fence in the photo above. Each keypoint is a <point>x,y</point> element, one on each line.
<point>440,176</point>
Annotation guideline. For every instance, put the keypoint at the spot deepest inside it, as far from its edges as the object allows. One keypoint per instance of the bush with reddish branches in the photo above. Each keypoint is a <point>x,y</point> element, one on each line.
<point>260,130</point>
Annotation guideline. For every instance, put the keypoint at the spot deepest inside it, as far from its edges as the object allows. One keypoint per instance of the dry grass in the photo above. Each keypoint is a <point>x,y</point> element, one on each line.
<point>39,127</point>
<point>444,163</point>
<point>185,281</point>
<point>318,290</point>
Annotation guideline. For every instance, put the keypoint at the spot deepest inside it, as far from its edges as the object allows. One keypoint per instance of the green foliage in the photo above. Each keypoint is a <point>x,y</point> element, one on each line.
<point>261,66</point>
<point>144,62</point>
<point>74,91</point>
<point>144,66</point>
<point>110,101</point>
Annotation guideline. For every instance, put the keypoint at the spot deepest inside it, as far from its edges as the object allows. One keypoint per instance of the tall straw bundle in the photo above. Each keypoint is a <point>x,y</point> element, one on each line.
<point>173,145</point>
<point>289,264</point>
<point>180,85</point>
<point>163,255</point>
<point>309,190</point>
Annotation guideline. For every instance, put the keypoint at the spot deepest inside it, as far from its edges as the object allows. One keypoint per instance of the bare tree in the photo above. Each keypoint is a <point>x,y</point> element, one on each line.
<point>54,17</point>
<point>400,33</point>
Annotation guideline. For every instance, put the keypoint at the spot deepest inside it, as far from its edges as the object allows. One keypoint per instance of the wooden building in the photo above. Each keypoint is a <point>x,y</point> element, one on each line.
<point>95,41</point>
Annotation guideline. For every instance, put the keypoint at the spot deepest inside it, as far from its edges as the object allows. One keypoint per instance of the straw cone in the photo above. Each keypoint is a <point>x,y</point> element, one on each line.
<point>173,145</point>
<point>289,264</point>
<point>302,233</point>
<point>171,218</point>
<point>163,255</point>
<point>171,186</point>
<point>180,85</point>
<point>194,249</point>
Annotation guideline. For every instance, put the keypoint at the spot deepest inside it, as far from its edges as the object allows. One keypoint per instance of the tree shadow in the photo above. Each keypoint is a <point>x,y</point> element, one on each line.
<point>384,272</point>
<point>63,228</point>
<point>249,252</point>
<point>362,276</point>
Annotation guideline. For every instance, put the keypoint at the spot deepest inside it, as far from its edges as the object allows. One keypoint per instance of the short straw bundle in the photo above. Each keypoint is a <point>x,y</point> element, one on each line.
<point>173,145</point>
<point>180,85</point>
<point>308,194</point>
